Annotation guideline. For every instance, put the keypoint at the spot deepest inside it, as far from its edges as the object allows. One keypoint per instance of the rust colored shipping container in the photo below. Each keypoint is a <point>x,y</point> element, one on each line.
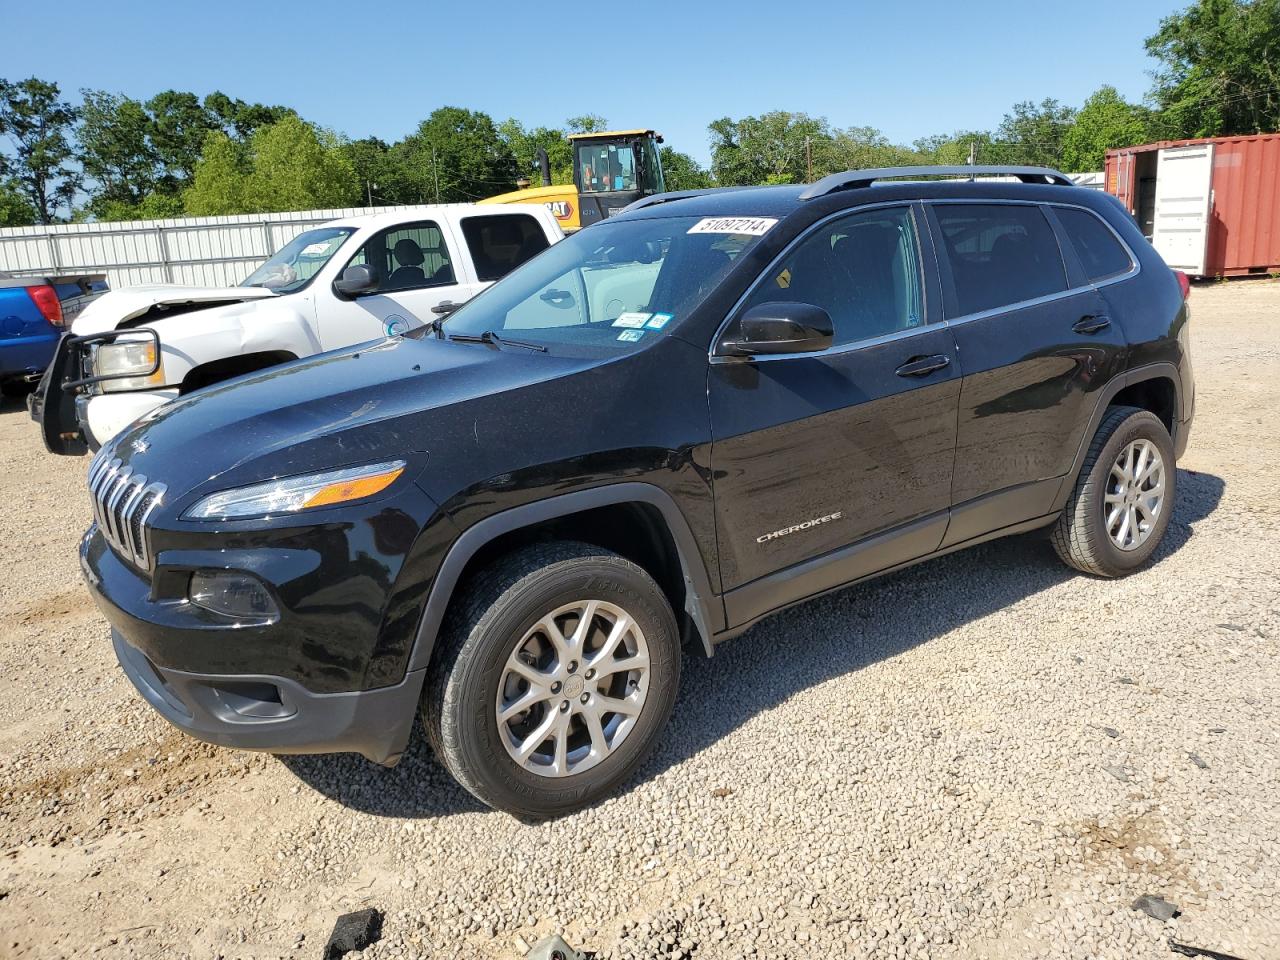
<point>1211,206</point>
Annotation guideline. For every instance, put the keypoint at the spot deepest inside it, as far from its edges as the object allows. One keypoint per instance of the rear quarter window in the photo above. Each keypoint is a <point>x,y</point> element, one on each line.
<point>501,243</point>
<point>999,254</point>
<point>1100,253</point>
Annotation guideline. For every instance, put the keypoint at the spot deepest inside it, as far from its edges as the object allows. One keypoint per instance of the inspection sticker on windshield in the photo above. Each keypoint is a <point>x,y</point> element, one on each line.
<point>631,320</point>
<point>658,321</point>
<point>631,336</point>
<point>751,226</point>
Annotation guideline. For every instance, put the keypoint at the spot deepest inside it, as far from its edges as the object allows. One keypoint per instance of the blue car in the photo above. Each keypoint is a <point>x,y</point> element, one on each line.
<point>34,314</point>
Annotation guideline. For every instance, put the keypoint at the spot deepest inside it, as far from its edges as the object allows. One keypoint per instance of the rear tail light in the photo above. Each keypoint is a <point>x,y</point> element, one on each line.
<point>1184,283</point>
<point>47,302</point>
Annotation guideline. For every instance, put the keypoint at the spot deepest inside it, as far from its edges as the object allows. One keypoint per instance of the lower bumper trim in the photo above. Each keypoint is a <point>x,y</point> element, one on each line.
<point>275,714</point>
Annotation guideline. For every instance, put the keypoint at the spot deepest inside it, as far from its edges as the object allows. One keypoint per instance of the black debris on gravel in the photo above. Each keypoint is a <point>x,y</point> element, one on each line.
<point>353,931</point>
<point>1187,950</point>
<point>1197,761</point>
<point>1157,907</point>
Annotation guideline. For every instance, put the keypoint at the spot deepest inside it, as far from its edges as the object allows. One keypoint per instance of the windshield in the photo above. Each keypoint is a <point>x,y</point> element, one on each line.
<point>606,167</point>
<point>299,260</point>
<point>615,285</point>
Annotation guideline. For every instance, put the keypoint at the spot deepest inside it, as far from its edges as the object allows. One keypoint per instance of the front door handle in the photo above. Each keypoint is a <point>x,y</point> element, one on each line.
<point>1091,324</point>
<point>446,308</point>
<point>922,366</point>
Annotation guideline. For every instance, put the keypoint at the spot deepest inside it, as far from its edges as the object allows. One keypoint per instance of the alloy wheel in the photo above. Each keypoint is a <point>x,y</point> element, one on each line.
<point>1135,494</point>
<point>573,688</point>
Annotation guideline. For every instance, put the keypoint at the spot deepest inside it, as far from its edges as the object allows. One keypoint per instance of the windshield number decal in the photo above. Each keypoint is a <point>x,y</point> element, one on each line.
<point>630,336</point>
<point>658,321</point>
<point>749,226</point>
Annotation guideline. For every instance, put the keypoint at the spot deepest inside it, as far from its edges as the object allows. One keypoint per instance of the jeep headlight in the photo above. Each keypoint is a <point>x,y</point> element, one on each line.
<point>135,363</point>
<point>293,494</point>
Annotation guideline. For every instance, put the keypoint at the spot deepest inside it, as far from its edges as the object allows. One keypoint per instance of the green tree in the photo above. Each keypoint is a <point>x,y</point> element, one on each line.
<point>587,123</point>
<point>524,144</point>
<point>456,155</point>
<point>297,167</point>
<point>116,154</point>
<point>682,172</point>
<point>178,125</point>
<point>1105,121</point>
<point>771,148</point>
<point>242,120</point>
<point>1032,134</point>
<point>39,126</point>
<point>953,149</point>
<point>380,172</point>
<point>15,209</point>
<point>218,187</point>
<point>1219,69</point>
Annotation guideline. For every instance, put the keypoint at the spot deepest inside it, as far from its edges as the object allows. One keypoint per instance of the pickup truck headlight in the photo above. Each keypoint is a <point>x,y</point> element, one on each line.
<point>293,494</point>
<point>125,357</point>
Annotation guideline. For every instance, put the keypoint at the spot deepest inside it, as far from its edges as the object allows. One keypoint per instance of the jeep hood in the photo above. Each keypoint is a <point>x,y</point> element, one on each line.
<point>376,401</point>
<point>117,307</point>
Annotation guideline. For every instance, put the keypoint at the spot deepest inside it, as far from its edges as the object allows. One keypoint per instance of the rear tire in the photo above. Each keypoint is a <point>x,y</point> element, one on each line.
<point>1123,498</point>
<point>516,637</point>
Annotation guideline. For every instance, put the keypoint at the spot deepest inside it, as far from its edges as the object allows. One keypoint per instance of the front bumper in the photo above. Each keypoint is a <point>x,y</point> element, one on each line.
<point>228,686</point>
<point>252,712</point>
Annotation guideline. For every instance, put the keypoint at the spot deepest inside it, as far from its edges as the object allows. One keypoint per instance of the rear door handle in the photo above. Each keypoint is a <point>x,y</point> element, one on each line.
<point>922,366</point>
<point>1091,324</point>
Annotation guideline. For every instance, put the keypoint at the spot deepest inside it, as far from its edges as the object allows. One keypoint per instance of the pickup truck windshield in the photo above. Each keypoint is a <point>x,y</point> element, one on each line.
<point>299,260</point>
<point>615,285</point>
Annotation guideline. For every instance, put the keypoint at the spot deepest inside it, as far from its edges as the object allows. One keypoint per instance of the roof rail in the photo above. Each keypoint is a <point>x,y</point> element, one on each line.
<point>857,179</point>
<point>657,198</point>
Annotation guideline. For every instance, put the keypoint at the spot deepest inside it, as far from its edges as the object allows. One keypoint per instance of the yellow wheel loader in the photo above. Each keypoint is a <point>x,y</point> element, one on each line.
<point>610,170</point>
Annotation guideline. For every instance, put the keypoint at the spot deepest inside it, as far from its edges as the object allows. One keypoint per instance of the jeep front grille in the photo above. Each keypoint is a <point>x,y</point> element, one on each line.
<point>122,501</point>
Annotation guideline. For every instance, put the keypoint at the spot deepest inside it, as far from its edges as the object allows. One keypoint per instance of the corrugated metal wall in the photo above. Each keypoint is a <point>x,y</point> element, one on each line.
<point>1244,217</point>
<point>201,251</point>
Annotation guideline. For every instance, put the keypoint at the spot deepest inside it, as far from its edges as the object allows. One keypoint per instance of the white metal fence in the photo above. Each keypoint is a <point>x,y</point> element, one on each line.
<point>199,251</point>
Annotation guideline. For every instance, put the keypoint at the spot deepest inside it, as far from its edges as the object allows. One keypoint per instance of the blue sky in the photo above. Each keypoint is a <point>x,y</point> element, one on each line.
<point>908,68</point>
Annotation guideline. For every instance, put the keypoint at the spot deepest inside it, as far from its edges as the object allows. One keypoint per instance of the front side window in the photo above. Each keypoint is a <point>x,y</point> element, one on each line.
<point>616,286</point>
<point>501,243</point>
<point>1000,254</point>
<point>1100,253</point>
<point>407,258</point>
<point>864,270</point>
<point>293,266</point>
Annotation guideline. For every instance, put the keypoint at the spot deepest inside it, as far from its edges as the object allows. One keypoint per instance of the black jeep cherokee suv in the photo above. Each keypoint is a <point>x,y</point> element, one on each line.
<point>661,430</point>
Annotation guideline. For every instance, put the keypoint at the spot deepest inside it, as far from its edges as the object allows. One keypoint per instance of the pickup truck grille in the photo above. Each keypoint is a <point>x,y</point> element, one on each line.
<point>122,501</point>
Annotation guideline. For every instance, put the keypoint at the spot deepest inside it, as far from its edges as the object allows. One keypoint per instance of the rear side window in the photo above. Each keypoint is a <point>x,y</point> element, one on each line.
<point>500,244</point>
<point>1100,253</point>
<point>1000,254</point>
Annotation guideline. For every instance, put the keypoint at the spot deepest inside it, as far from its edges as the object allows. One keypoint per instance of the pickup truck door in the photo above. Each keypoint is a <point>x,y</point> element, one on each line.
<point>421,265</point>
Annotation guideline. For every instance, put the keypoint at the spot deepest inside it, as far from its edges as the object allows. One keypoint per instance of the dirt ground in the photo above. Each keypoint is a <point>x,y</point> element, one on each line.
<point>978,804</point>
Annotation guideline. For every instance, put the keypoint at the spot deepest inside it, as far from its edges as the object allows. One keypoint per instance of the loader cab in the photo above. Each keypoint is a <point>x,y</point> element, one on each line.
<point>614,169</point>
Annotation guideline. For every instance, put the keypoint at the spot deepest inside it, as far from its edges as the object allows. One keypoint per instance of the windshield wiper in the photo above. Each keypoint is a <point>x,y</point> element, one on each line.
<point>490,337</point>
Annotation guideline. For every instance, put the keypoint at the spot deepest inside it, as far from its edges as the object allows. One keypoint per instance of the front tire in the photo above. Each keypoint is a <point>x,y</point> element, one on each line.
<point>1122,501</point>
<point>556,675</point>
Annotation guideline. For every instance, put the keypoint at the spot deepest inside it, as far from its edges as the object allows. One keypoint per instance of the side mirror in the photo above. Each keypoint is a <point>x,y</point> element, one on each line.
<point>355,280</point>
<point>780,328</point>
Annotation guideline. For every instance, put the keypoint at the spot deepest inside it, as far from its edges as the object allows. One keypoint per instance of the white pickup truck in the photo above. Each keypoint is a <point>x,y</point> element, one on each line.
<point>345,282</point>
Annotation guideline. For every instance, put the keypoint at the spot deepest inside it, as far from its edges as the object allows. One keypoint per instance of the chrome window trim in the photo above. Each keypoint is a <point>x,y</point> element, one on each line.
<point>714,357</point>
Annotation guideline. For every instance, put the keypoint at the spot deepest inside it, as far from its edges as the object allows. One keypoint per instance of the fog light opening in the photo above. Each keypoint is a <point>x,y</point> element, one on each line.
<point>230,593</point>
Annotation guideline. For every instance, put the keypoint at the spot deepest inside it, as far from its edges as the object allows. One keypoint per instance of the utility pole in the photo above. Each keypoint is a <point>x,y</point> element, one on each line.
<point>808,158</point>
<point>973,153</point>
<point>368,186</point>
<point>435,166</point>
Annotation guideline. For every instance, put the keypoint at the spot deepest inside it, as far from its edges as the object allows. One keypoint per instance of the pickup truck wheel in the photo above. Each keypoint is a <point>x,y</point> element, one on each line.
<point>554,679</point>
<point>1123,498</point>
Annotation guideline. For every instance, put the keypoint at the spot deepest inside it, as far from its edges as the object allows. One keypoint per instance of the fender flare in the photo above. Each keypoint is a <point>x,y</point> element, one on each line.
<point>1152,371</point>
<point>704,607</point>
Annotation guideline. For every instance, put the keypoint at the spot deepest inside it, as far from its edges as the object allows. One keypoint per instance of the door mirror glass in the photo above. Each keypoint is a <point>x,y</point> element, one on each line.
<point>781,327</point>
<point>357,279</point>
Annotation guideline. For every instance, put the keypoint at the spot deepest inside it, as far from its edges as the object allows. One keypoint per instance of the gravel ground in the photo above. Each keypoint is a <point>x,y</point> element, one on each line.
<point>985,756</point>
